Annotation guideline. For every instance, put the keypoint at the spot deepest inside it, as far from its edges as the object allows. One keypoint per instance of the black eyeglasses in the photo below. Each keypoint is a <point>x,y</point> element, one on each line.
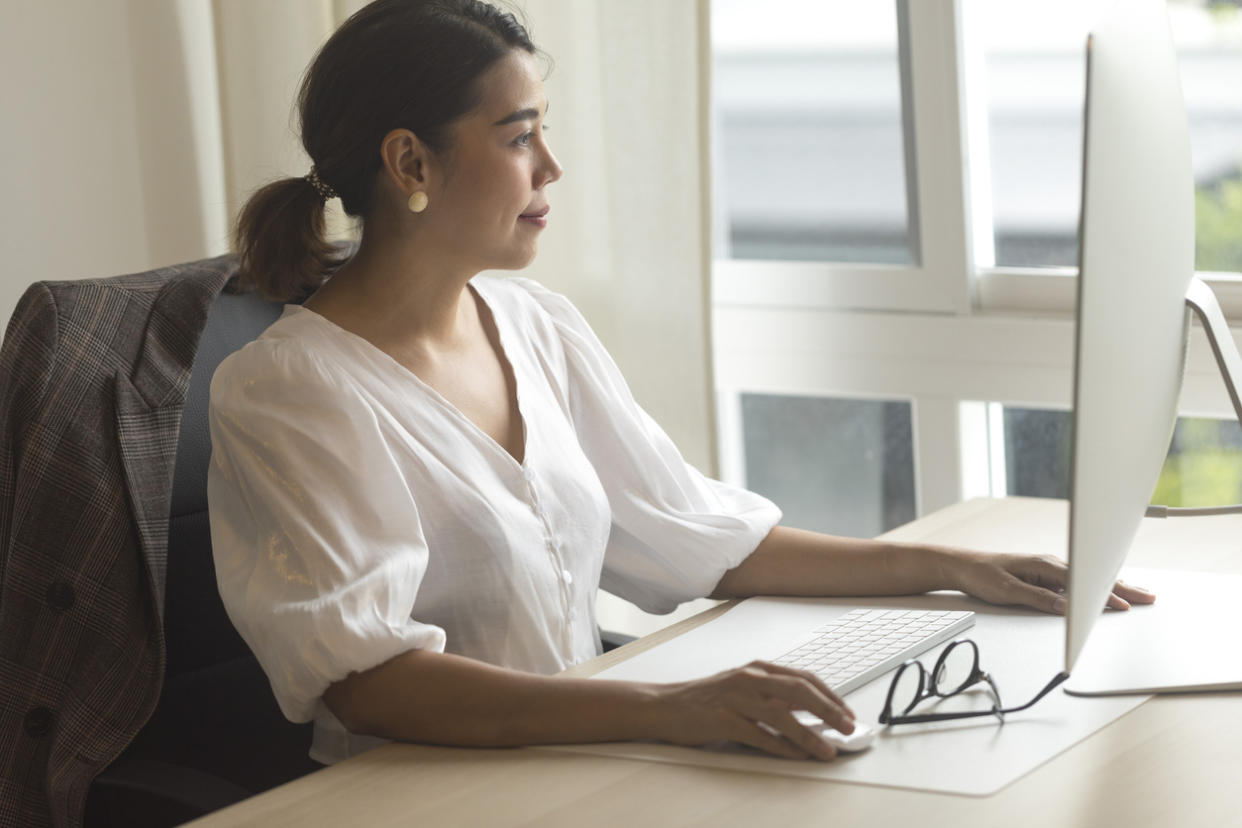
<point>956,670</point>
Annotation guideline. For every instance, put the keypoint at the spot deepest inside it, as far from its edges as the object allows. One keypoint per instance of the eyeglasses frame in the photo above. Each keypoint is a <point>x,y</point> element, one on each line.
<point>927,689</point>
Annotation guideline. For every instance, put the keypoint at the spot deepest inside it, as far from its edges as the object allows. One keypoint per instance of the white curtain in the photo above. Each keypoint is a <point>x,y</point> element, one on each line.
<point>629,228</point>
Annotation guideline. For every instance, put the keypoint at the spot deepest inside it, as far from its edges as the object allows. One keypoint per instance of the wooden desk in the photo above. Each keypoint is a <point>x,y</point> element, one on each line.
<point>1174,761</point>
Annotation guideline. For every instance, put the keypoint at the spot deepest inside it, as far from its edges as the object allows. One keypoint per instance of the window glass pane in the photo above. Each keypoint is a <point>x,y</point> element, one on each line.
<point>833,465</point>
<point>1203,468</point>
<point>1209,44</point>
<point>1035,77</point>
<point>1037,452</point>
<point>1035,82</point>
<point>810,157</point>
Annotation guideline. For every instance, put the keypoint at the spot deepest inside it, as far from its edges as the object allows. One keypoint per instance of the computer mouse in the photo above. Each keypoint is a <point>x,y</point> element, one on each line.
<point>860,739</point>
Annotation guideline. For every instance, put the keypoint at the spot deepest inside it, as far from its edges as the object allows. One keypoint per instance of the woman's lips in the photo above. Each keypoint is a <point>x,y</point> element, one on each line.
<point>536,217</point>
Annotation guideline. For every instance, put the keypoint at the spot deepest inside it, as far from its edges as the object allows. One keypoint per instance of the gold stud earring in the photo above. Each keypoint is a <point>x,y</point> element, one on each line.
<point>418,202</point>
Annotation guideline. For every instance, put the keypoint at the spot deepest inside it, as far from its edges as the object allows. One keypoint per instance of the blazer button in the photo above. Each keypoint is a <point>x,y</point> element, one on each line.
<point>60,596</point>
<point>39,721</point>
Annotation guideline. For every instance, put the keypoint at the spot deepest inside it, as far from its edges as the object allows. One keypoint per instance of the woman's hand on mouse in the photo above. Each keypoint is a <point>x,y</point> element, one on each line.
<point>753,705</point>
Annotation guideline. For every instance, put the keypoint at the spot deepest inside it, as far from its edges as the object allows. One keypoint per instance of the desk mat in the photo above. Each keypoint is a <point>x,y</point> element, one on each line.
<point>1021,649</point>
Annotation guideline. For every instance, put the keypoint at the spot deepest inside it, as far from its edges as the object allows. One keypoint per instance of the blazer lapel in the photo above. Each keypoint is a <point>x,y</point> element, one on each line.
<point>147,437</point>
<point>148,412</point>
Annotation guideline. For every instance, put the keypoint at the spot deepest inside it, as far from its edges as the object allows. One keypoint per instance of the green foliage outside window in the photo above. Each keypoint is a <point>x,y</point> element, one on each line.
<point>1204,466</point>
<point>1218,225</point>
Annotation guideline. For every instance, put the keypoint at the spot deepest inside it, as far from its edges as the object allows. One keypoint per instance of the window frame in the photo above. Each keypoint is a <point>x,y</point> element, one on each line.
<point>936,198</point>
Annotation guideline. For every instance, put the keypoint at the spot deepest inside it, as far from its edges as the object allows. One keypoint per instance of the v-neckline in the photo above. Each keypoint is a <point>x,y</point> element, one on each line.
<point>438,398</point>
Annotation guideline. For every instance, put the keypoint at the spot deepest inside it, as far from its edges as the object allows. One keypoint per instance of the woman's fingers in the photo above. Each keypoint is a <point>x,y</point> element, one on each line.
<point>1116,602</point>
<point>1037,581</point>
<point>815,681</point>
<point>1040,583</point>
<point>799,690</point>
<point>1133,594</point>
<point>783,690</point>
<point>756,705</point>
<point>1124,595</point>
<point>773,718</point>
<point>769,739</point>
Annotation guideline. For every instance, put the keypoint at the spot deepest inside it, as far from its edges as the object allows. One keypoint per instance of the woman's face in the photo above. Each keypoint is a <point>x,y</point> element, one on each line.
<point>488,206</point>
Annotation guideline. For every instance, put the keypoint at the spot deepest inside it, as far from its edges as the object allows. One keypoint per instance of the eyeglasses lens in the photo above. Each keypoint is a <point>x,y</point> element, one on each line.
<point>956,668</point>
<point>907,688</point>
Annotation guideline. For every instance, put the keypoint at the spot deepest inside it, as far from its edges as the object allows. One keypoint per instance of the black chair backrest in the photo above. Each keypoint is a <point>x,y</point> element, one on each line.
<point>196,628</point>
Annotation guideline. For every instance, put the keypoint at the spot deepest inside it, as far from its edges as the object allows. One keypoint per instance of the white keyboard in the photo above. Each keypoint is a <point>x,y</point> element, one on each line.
<point>865,643</point>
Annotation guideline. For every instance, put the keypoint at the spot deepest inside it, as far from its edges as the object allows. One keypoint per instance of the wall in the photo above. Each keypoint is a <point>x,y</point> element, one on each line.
<point>109,157</point>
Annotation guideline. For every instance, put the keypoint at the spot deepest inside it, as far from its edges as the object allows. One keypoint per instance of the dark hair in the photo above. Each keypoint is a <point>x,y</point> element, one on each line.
<point>395,64</point>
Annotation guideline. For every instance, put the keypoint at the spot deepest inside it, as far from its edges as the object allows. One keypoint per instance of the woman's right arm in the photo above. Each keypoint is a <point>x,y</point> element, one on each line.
<point>439,698</point>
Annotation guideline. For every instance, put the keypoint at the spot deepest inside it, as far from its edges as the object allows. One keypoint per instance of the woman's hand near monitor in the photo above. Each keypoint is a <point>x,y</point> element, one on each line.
<point>796,562</point>
<point>1030,580</point>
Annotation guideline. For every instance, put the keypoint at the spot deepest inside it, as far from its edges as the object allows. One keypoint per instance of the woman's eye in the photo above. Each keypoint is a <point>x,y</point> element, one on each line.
<point>523,140</point>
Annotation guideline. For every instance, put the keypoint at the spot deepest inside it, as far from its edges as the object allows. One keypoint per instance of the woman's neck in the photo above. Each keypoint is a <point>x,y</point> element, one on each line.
<point>396,293</point>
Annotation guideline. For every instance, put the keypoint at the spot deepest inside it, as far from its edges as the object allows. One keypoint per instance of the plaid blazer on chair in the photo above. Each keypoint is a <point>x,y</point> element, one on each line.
<point>93,377</point>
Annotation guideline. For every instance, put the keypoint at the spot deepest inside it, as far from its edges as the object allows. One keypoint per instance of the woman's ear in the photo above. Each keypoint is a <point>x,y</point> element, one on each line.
<point>407,161</point>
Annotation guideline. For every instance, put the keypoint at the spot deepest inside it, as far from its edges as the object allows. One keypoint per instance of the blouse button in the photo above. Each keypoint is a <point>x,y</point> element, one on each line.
<point>568,576</point>
<point>528,475</point>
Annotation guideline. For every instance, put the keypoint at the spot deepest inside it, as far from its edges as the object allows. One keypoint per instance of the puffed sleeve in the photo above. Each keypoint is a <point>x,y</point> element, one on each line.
<point>318,547</point>
<point>675,532</point>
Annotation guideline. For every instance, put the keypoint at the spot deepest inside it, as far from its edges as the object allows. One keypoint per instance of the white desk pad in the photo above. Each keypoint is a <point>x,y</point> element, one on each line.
<point>1021,649</point>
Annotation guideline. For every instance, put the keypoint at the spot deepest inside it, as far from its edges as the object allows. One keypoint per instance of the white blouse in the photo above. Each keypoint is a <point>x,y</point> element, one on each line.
<point>356,514</point>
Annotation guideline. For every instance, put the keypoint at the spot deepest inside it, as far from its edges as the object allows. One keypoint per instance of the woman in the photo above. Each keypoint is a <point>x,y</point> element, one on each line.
<point>421,476</point>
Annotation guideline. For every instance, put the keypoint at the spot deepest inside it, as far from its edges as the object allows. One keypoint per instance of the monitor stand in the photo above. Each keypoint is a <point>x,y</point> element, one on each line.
<point>1187,640</point>
<point>1201,299</point>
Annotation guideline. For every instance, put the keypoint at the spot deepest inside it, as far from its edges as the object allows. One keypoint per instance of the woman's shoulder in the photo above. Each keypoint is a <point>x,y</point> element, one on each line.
<point>293,361</point>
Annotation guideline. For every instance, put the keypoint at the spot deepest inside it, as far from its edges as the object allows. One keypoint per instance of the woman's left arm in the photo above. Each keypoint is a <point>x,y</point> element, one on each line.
<point>797,562</point>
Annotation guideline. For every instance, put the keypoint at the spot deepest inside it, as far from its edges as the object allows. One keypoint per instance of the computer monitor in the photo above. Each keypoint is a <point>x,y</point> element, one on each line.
<point>1136,259</point>
<point>1136,266</point>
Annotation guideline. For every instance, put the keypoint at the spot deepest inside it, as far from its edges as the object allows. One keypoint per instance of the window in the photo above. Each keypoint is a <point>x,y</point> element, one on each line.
<point>930,260</point>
